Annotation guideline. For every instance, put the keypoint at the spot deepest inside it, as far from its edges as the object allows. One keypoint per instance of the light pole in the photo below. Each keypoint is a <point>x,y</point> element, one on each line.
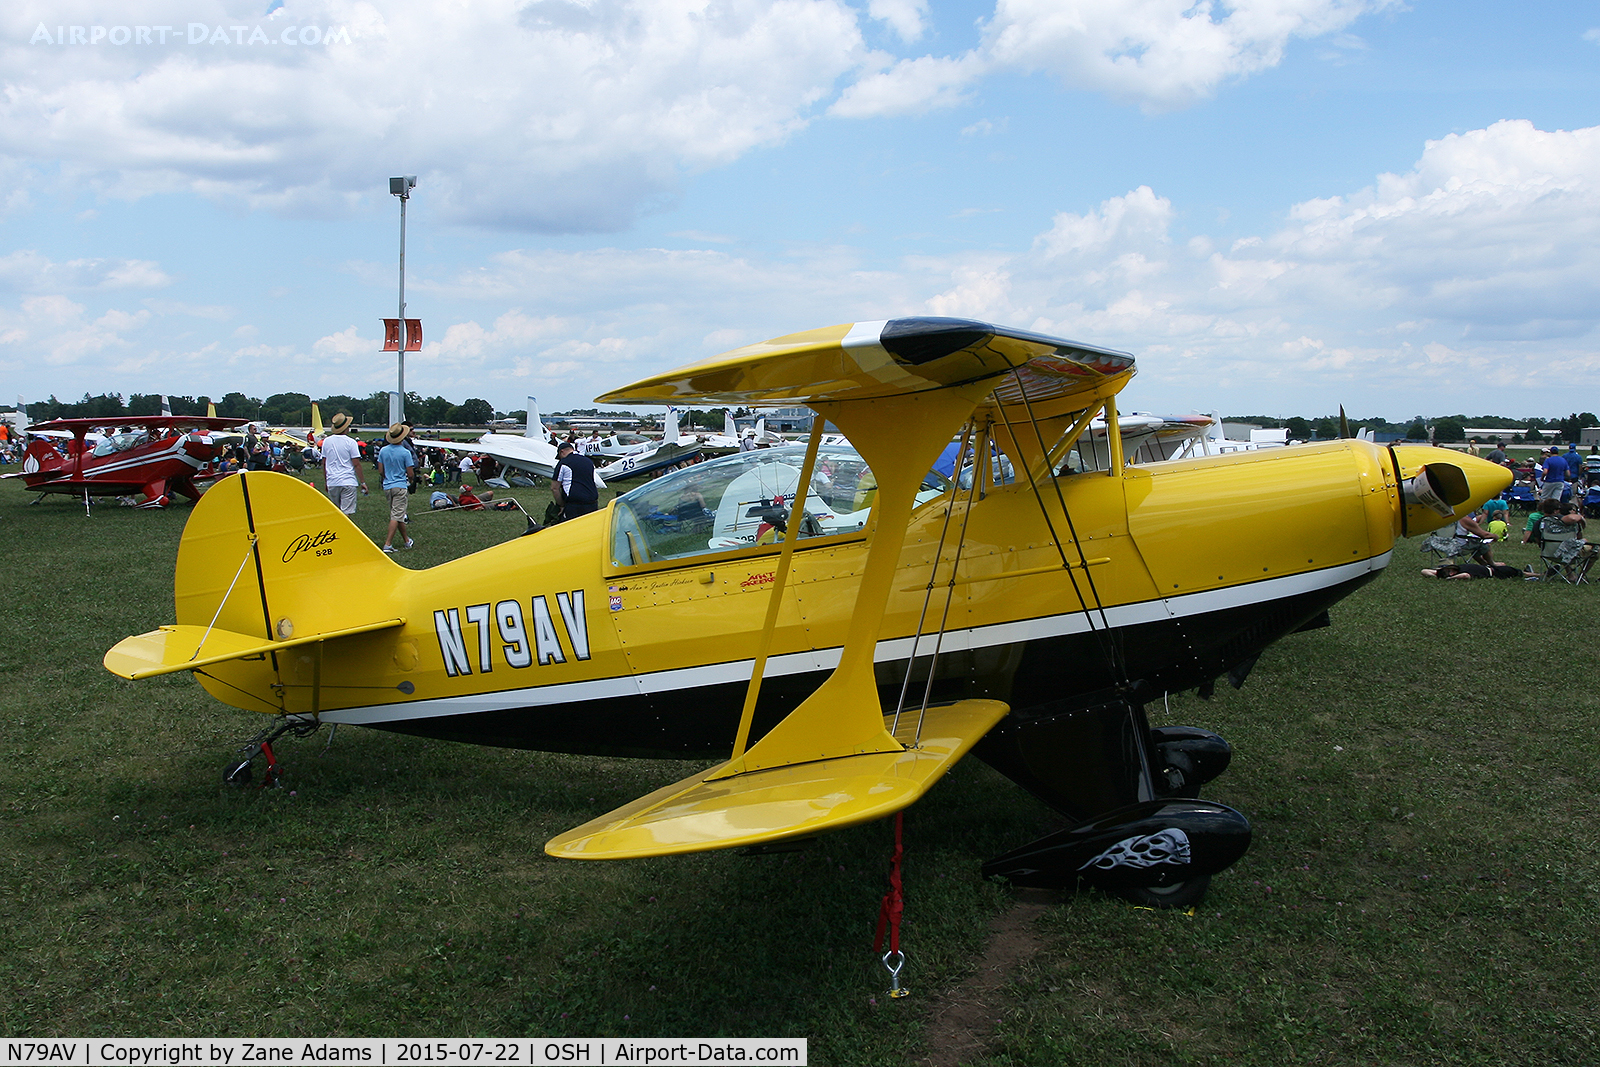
<point>402,187</point>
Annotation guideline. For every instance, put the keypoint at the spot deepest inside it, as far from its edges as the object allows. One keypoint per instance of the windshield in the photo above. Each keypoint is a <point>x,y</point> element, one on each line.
<point>119,443</point>
<point>746,499</point>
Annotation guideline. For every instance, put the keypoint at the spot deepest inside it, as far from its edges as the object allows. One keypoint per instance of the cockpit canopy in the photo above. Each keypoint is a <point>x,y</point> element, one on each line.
<point>746,499</point>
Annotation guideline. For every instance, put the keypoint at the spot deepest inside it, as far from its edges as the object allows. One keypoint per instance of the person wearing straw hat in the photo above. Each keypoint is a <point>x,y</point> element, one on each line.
<point>398,468</point>
<point>341,464</point>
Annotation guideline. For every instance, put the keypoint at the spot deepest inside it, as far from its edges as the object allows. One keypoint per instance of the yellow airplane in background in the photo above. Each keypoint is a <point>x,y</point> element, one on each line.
<point>287,436</point>
<point>836,626</point>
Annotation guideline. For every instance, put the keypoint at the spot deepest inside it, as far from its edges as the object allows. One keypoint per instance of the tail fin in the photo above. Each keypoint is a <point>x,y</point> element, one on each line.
<point>166,406</point>
<point>257,559</point>
<point>729,427</point>
<point>671,436</point>
<point>42,458</point>
<point>535,427</point>
<point>211,409</point>
<point>316,422</point>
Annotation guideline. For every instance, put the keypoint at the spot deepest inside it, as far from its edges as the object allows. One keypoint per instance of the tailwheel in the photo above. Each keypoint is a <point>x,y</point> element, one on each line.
<point>241,772</point>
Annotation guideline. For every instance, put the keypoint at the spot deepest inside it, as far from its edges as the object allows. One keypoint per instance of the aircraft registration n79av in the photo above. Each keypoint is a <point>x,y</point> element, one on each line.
<point>836,649</point>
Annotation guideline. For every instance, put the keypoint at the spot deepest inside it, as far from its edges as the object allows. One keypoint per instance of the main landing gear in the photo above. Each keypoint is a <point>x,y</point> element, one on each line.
<point>1139,829</point>
<point>241,771</point>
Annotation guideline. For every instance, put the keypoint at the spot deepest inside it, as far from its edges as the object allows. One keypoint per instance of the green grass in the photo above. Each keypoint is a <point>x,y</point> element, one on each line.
<point>1421,889</point>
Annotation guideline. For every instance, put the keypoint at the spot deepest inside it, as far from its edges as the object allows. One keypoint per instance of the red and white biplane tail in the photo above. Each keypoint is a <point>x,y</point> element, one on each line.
<point>42,458</point>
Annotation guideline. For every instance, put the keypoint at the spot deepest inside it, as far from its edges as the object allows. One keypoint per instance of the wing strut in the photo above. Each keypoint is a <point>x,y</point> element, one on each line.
<point>791,538</point>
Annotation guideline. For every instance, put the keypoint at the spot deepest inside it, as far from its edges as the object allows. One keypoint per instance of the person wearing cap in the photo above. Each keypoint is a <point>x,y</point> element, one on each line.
<point>1554,472</point>
<point>747,443</point>
<point>341,464</point>
<point>397,467</point>
<point>572,482</point>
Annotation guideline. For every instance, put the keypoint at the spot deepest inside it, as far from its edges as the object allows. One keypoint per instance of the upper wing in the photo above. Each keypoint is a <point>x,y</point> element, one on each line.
<point>199,422</point>
<point>896,357</point>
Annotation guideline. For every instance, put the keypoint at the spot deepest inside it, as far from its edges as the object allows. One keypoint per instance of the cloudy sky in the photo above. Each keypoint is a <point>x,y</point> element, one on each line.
<point>1277,205</point>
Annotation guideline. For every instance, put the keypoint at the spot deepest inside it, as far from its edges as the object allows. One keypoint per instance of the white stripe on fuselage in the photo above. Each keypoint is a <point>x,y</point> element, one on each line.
<point>738,671</point>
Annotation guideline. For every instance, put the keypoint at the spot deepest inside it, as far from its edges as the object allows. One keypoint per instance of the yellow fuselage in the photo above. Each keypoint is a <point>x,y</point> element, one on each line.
<point>547,642</point>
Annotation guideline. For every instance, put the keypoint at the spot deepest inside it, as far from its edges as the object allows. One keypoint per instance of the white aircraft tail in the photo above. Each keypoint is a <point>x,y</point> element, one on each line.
<point>535,427</point>
<point>166,406</point>
<point>730,427</point>
<point>22,413</point>
<point>671,436</point>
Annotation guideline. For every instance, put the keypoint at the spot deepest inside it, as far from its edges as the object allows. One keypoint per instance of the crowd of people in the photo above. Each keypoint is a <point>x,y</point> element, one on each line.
<point>404,470</point>
<point>1558,486</point>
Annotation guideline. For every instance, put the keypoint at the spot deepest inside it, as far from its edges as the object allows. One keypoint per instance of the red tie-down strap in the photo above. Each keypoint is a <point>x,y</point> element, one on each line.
<point>890,912</point>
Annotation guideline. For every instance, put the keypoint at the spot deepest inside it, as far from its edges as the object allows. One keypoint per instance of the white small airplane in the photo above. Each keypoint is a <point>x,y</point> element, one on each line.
<point>523,457</point>
<point>615,445</point>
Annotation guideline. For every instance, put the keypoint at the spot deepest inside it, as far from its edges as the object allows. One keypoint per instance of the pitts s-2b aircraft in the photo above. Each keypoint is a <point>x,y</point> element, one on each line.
<point>156,455</point>
<point>836,648</point>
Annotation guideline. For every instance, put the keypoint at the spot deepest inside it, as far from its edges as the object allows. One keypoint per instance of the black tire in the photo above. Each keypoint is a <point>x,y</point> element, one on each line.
<point>238,774</point>
<point>1177,895</point>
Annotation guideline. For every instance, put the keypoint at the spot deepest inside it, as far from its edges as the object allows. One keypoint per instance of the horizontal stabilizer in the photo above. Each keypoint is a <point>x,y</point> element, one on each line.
<point>184,648</point>
<point>706,812</point>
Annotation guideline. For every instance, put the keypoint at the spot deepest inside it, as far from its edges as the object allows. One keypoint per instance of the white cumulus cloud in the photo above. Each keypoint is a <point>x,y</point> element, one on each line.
<point>550,115</point>
<point>1158,54</point>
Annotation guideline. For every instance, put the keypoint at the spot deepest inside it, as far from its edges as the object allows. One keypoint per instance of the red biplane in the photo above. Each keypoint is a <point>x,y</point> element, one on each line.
<point>155,455</point>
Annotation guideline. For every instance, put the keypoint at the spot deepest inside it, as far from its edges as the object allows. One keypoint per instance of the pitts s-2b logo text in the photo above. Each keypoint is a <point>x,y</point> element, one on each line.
<point>509,621</point>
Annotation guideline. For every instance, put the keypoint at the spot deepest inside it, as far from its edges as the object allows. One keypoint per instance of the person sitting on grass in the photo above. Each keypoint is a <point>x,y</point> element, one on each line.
<point>1475,537</point>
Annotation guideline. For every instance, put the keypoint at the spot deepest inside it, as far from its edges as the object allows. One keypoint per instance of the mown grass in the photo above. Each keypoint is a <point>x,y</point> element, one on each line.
<point>1421,889</point>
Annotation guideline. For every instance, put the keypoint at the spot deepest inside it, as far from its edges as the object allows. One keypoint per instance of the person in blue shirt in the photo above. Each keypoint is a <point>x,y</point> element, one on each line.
<point>1554,470</point>
<point>398,468</point>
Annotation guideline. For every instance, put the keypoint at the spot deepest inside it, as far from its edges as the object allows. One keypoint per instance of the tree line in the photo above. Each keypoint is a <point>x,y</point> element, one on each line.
<point>1418,427</point>
<point>280,409</point>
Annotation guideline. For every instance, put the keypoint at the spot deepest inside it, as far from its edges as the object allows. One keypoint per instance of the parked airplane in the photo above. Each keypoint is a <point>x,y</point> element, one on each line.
<point>835,626</point>
<point>155,455</point>
<point>531,454</point>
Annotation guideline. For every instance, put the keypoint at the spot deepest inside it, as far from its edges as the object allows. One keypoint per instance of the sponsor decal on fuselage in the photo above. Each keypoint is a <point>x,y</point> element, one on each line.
<point>479,636</point>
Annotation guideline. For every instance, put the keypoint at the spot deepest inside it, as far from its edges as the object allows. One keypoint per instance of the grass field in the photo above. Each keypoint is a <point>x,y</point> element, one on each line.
<point>1421,890</point>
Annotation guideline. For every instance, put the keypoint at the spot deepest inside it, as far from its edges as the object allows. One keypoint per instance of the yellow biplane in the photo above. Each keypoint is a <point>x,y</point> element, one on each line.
<point>836,626</point>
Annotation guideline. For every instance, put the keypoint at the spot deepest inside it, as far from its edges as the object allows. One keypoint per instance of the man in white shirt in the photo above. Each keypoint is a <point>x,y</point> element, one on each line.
<point>341,464</point>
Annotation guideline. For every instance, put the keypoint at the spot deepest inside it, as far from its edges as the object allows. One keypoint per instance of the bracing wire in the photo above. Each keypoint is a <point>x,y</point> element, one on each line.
<point>1103,632</point>
<point>213,623</point>
<point>927,596</point>
<point>982,461</point>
